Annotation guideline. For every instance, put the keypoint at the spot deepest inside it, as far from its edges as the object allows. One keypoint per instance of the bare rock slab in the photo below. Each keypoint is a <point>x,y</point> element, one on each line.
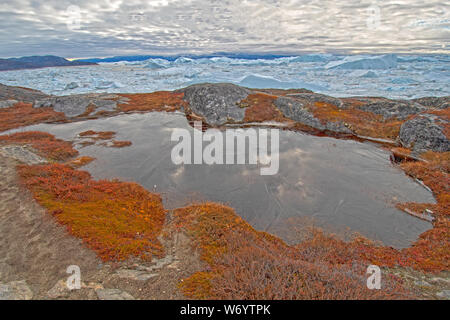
<point>135,274</point>
<point>21,154</point>
<point>15,290</point>
<point>75,105</point>
<point>113,294</point>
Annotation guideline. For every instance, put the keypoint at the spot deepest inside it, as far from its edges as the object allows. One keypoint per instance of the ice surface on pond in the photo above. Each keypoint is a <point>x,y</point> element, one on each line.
<point>392,76</point>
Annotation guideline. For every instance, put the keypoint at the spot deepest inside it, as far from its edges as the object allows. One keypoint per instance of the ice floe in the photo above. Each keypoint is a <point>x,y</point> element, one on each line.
<point>392,76</point>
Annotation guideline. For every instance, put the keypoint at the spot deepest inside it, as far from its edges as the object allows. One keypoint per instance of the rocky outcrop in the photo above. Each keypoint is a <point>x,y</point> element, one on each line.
<point>75,105</point>
<point>434,102</point>
<point>217,103</point>
<point>20,94</point>
<point>317,97</point>
<point>424,132</point>
<point>22,154</point>
<point>221,103</point>
<point>296,110</point>
<point>7,103</point>
<point>393,109</point>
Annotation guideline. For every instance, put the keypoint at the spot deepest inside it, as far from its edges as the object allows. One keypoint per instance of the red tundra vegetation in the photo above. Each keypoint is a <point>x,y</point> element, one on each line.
<point>120,144</point>
<point>23,114</point>
<point>155,101</point>
<point>97,135</point>
<point>243,263</point>
<point>260,107</point>
<point>116,219</point>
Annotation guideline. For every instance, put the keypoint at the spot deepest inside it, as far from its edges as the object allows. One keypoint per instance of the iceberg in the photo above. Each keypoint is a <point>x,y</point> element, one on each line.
<point>369,74</point>
<point>108,85</point>
<point>265,82</point>
<point>403,81</point>
<point>156,63</point>
<point>367,63</point>
<point>311,58</point>
<point>183,60</point>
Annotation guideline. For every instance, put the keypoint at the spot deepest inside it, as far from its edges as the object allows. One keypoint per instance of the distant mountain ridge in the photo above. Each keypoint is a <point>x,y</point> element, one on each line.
<point>34,62</point>
<point>247,56</point>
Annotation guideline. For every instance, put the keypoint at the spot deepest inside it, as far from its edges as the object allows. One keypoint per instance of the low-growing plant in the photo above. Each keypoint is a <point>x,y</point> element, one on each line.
<point>23,114</point>
<point>247,264</point>
<point>116,219</point>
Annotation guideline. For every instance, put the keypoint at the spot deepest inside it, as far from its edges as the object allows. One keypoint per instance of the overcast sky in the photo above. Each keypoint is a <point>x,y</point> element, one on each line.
<point>97,28</point>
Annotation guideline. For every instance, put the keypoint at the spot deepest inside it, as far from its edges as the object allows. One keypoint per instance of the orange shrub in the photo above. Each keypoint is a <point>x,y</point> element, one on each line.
<point>23,114</point>
<point>155,101</point>
<point>246,264</point>
<point>116,219</point>
<point>260,107</point>
<point>100,135</point>
<point>120,144</point>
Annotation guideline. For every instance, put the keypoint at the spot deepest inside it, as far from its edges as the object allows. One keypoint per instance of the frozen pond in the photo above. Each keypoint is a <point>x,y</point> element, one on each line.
<point>338,183</point>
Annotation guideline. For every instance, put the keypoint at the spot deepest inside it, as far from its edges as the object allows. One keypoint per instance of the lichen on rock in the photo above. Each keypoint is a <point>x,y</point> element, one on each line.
<point>424,132</point>
<point>217,103</point>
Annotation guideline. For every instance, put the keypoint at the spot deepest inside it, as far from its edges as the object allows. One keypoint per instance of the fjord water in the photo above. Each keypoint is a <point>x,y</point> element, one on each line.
<point>335,183</point>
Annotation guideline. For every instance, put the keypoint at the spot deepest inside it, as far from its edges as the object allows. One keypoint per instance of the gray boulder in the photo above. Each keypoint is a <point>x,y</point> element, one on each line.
<point>217,103</point>
<point>423,133</point>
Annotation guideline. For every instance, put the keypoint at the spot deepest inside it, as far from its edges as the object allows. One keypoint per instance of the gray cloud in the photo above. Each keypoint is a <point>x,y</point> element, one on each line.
<point>110,27</point>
